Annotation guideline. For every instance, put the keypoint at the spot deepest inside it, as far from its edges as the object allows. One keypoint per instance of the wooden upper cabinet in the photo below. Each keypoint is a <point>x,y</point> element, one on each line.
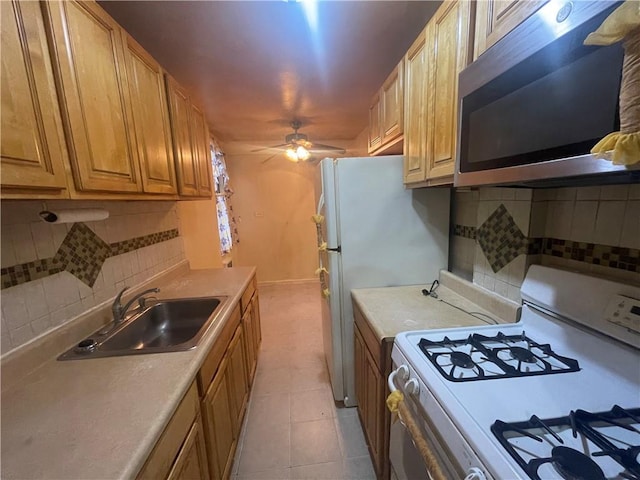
<point>190,143</point>
<point>496,18</point>
<point>201,151</point>
<point>392,98</point>
<point>95,97</point>
<point>33,150</point>
<point>180,108</point>
<point>375,131</point>
<point>386,122</point>
<point>449,55</point>
<point>151,119</point>
<point>415,111</point>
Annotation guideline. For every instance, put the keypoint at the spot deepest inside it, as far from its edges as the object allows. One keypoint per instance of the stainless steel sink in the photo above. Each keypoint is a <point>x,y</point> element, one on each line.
<point>165,326</point>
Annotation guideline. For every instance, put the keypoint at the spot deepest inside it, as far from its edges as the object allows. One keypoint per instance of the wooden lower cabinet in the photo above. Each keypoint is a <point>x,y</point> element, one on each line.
<point>200,440</point>
<point>252,328</point>
<point>238,377</point>
<point>219,423</point>
<point>180,451</point>
<point>225,394</point>
<point>372,366</point>
<point>191,462</point>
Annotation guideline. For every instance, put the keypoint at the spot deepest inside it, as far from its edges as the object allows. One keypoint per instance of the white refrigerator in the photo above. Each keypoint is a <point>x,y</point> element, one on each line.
<point>377,234</point>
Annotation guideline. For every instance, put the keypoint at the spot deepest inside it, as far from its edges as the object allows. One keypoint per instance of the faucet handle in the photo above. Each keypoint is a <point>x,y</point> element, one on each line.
<point>116,306</point>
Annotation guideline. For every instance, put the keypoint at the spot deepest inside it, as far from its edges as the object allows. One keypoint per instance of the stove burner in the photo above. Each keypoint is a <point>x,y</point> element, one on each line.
<point>461,359</point>
<point>522,355</point>
<point>613,434</point>
<point>499,356</point>
<point>574,465</point>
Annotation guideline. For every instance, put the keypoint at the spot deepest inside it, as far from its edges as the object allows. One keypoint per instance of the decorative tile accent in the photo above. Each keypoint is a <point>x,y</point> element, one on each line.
<point>465,231</point>
<point>27,272</point>
<point>500,239</point>
<point>627,259</point>
<point>82,253</point>
<point>125,246</point>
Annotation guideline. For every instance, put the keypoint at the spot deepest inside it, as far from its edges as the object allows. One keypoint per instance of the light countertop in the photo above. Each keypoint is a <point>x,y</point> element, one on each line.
<point>100,418</point>
<point>392,310</point>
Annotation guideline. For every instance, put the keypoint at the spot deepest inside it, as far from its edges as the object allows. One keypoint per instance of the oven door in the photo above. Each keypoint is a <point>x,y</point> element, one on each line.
<point>416,450</point>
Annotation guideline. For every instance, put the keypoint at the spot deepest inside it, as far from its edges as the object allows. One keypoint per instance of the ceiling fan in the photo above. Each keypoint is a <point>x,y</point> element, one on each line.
<point>298,147</point>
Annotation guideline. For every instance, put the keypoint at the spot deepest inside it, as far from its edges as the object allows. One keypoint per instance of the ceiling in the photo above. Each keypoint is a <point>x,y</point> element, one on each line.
<point>254,66</point>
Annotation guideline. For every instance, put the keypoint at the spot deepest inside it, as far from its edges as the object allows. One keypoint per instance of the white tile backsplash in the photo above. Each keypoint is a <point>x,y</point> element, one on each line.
<point>32,309</point>
<point>584,221</point>
<point>608,215</point>
<point>608,228</point>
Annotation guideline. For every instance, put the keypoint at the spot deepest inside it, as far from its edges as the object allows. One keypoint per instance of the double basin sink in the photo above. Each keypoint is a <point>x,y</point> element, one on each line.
<point>165,326</point>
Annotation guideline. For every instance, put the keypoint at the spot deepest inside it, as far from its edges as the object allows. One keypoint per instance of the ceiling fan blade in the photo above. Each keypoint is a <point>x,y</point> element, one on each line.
<point>326,148</point>
<point>281,146</point>
<point>269,158</point>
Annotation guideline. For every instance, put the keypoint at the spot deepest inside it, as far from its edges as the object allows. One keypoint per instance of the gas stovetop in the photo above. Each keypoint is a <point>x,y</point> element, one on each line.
<point>564,355</point>
<point>580,445</point>
<point>480,357</point>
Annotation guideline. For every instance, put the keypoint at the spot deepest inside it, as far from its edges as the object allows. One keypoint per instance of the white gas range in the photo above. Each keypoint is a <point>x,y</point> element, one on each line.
<point>556,395</point>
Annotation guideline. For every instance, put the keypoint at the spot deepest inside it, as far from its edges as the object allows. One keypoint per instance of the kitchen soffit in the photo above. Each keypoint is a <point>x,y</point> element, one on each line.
<point>254,66</point>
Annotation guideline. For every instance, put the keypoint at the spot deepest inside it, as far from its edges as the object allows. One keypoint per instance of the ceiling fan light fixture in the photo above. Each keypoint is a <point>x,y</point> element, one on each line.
<point>291,154</point>
<point>302,153</point>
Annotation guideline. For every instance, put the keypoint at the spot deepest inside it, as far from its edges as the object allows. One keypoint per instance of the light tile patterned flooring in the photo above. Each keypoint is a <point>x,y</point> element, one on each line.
<point>293,429</point>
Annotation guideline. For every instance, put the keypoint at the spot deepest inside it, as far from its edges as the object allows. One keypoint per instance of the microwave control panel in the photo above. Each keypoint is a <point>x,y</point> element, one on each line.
<point>624,311</point>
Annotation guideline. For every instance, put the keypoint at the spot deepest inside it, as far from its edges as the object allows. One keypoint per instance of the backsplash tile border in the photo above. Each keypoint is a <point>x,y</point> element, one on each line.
<point>621,258</point>
<point>82,253</point>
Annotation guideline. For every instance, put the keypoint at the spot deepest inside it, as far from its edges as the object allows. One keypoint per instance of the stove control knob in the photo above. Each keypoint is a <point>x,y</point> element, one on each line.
<point>474,473</point>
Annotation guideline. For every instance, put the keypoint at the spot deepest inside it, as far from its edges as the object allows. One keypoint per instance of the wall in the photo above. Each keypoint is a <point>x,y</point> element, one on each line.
<point>53,273</point>
<point>273,202</point>
<point>199,228</point>
<point>498,232</point>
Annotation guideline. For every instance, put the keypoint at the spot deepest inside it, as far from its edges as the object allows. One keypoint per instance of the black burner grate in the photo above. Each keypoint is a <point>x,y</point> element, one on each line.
<point>568,462</point>
<point>479,357</point>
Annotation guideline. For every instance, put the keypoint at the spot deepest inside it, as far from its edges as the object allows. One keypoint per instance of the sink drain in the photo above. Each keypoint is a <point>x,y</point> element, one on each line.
<point>86,346</point>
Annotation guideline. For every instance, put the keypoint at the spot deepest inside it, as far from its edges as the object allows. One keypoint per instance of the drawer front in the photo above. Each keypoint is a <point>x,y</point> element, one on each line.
<point>211,363</point>
<point>159,463</point>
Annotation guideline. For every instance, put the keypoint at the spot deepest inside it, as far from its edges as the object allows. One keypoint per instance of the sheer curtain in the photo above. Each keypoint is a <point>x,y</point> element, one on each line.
<point>226,221</point>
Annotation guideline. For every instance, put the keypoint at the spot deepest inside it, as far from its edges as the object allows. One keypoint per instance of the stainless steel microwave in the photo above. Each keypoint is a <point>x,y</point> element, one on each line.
<point>535,103</point>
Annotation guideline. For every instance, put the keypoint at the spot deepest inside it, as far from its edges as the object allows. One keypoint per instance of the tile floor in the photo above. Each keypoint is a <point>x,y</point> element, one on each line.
<point>293,429</point>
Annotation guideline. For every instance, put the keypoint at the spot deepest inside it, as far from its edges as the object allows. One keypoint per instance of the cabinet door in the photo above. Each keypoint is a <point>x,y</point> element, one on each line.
<point>219,424</point>
<point>496,18</point>
<point>191,462</point>
<point>201,153</point>
<point>257,328</point>
<point>238,378</point>
<point>374,419</point>
<point>31,134</point>
<point>180,108</point>
<point>415,111</point>
<point>151,118</point>
<point>95,97</point>
<point>449,56</point>
<point>392,104</point>
<point>358,358</point>
<point>249,346</point>
<point>375,130</point>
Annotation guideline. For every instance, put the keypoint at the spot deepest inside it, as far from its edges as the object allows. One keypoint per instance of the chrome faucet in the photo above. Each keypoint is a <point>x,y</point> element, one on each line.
<point>119,312</point>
